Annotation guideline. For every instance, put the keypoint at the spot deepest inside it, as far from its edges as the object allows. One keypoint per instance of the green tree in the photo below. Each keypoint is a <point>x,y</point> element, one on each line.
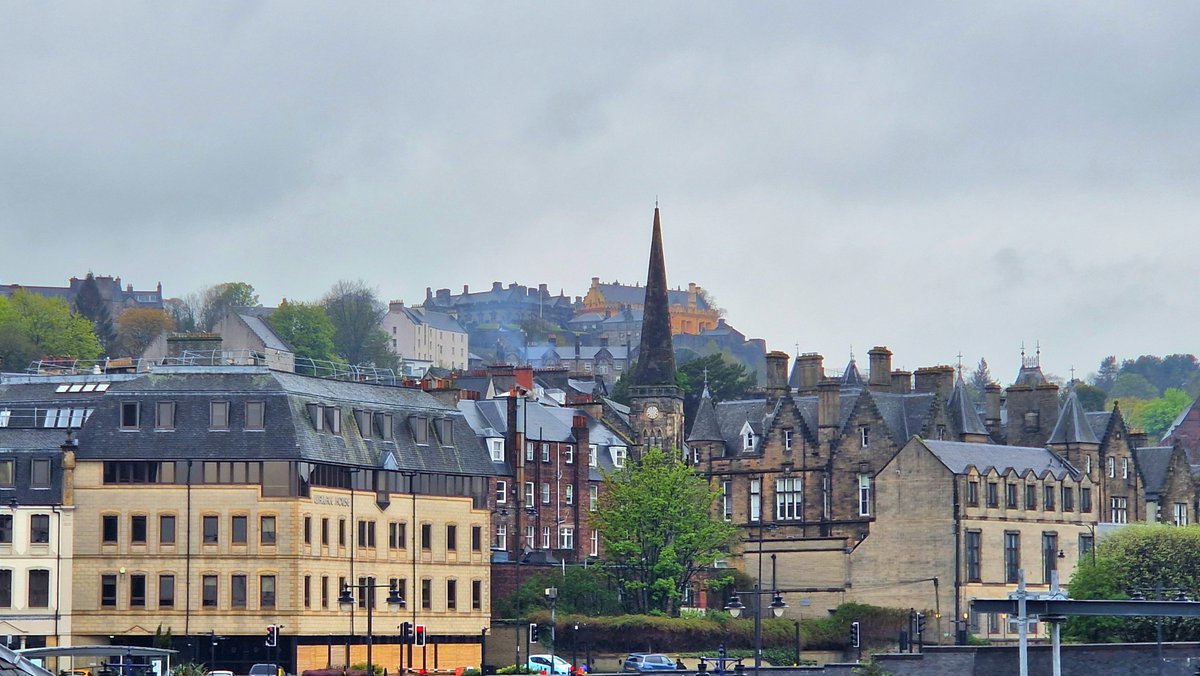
<point>306,329</point>
<point>356,313</point>
<point>1138,557</point>
<point>1132,386</point>
<point>656,519</point>
<point>138,327</point>
<point>980,378</point>
<point>621,389</point>
<point>1107,375</point>
<point>49,325</point>
<point>727,381</point>
<point>1090,397</point>
<point>1156,415</point>
<point>90,304</point>
<point>16,348</point>
<point>216,301</point>
<point>581,590</point>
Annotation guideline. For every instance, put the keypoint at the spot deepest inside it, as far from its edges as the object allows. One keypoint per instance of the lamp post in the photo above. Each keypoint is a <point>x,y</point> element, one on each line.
<point>346,603</point>
<point>552,595</point>
<point>736,607</point>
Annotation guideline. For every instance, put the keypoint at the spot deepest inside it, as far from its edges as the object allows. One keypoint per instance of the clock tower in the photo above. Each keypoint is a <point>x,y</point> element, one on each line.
<point>656,404</point>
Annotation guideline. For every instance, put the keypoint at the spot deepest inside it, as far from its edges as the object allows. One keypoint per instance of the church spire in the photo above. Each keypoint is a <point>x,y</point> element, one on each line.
<point>656,354</point>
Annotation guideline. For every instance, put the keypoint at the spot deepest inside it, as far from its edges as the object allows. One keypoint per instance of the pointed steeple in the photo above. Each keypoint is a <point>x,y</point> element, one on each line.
<point>1072,426</point>
<point>706,426</point>
<point>962,411</point>
<point>852,378</point>
<point>656,354</point>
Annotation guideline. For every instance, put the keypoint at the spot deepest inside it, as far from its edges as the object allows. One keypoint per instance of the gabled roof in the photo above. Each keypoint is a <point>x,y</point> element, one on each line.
<point>258,325</point>
<point>1072,426</point>
<point>959,457</point>
<point>962,410</point>
<point>1153,462</point>
<point>1099,422</point>
<point>1179,420</point>
<point>732,417</point>
<point>904,414</point>
<point>706,426</point>
<point>851,377</point>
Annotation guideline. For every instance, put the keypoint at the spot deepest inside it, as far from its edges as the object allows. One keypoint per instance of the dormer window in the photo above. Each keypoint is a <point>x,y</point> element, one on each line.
<point>497,447</point>
<point>130,415</point>
<point>383,422</point>
<point>333,419</point>
<point>618,456</point>
<point>747,437</point>
<point>593,459</point>
<point>317,415</point>
<point>420,429</point>
<point>165,416</point>
<point>363,419</point>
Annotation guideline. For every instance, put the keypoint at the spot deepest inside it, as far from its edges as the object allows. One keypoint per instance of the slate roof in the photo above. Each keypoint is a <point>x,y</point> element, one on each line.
<point>1030,374</point>
<point>706,426</point>
<point>851,377</point>
<point>289,434</point>
<point>13,664</point>
<point>1072,426</point>
<point>1098,421</point>
<point>438,320</point>
<point>259,327</point>
<point>1178,420</point>
<point>904,414</point>
<point>962,410</point>
<point>958,457</point>
<point>1154,462</point>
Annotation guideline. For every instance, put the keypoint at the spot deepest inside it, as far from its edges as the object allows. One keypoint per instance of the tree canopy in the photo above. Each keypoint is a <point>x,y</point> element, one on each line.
<point>727,381</point>
<point>217,301</point>
<point>48,326</point>
<point>90,304</point>
<point>138,327</point>
<point>655,517</point>
<point>306,329</point>
<point>1138,557</point>
<point>356,313</point>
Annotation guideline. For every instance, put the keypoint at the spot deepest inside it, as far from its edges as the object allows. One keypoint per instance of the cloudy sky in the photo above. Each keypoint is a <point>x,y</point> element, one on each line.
<point>938,178</point>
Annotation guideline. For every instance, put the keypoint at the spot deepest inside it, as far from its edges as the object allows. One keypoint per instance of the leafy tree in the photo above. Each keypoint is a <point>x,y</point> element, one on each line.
<point>50,327</point>
<point>1138,557</point>
<point>655,517</point>
<point>216,301</point>
<point>1156,415</point>
<point>356,313</point>
<point>727,381</point>
<point>581,590</point>
<point>1107,375</point>
<point>16,349</point>
<point>980,378</point>
<point>138,327</point>
<point>306,329</point>
<point>1132,386</point>
<point>538,331</point>
<point>1091,398</point>
<point>90,304</point>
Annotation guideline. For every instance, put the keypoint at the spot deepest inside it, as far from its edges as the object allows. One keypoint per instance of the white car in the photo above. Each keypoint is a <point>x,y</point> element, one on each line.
<point>540,664</point>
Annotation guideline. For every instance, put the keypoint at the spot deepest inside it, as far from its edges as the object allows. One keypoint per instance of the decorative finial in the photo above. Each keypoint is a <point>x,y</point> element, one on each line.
<point>706,377</point>
<point>959,355</point>
<point>1072,374</point>
<point>797,348</point>
<point>851,351</point>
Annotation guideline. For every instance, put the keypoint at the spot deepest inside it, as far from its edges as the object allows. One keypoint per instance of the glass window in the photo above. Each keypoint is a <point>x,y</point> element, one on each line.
<point>237,530</point>
<point>137,591</point>
<point>6,587</point>
<point>39,529</point>
<point>1012,555</point>
<point>993,494</point>
<point>569,495</point>
<point>789,499</point>
<point>1048,498</point>
<point>476,538</point>
<point>254,415</point>
<point>39,588</point>
<point>7,474</point>
<point>756,499</point>
<point>566,537</point>
<point>426,593</point>
<point>974,555</point>
<point>1030,496</point>
<point>451,594</point>
<point>266,591</point>
<point>109,529</point>
<point>266,530</point>
<point>211,529</point>
<point>1049,555</point>
<point>973,493</point>
<point>165,415</point>
<point>237,591</point>
<point>1085,499</point>
<point>1010,496</point>
<point>476,594</point>
<point>501,491</point>
<point>137,529</point>
<point>593,497</point>
<point>545,493</point>
<point>1068,498</point>
<point>166,591</point>
<point>426,536</point>
<point>497,446</point>
<point>6,529</point>
<point>166,529</point>
<point>451,538</point>
<point>501,537</point>
<point>545,537</point>
<point>130,420</point>
<point>108,591</point>
<point>218,415</point>
<point>864,495</point>
<point>40,473</point>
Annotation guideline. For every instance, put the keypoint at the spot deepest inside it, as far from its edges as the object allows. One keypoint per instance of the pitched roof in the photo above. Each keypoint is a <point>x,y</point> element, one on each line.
<point>259,327</point>
<point>1098,421</point>
<point>958,456</point>
<point>1154,462</point>
<point>851,377</point>
<point>732,417</point>
<point>1072,426</point>
<point>706,426</point>
<point>962,410</point>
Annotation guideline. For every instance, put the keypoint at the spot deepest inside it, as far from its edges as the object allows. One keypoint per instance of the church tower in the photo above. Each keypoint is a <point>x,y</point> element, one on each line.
<point>656,404</point>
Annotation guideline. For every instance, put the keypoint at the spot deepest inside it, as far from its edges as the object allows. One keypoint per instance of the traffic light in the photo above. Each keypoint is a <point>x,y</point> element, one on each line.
<point>533,632</point>
<point>920,623</point>
<point>406,632</point>
<point>855,635</point>
<point>419,635</point>
<point>272,635</point>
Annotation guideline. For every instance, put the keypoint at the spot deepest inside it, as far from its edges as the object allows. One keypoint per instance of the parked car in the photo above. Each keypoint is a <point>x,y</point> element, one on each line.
<point>220,672</point>
<point>647,662</point>
<point>541,664</point>
<point>264,670</point>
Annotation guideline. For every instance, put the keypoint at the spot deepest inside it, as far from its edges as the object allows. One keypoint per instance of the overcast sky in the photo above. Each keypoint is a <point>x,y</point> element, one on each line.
<point>937,178</point>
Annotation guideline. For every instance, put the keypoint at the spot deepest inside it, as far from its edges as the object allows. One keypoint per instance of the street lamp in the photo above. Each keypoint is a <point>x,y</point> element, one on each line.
<point>777,606</point>
<point>346,603</point>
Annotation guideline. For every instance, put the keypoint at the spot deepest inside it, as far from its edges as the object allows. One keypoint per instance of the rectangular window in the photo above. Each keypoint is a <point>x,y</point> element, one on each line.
<point>595,543</point>
<point>1031,496</point>
<point>618,453</point>
<point>545,452</point>
<point>1010,496</point>
<point>39,473</point>
<point>426,593</point>
<point>130,420</point>
<point>1049,555</point>
<point>208,591</point>
<point>545,537</point>
<point>166,591</point>
<point>1124,468</point>
<point>787,439</point>
<point>593,497</point>
<point>266,531</point>
<point>1048,497</point>
<point>864,435</point>
<point>137,591</point>
<point>864,495</point>
<point>254,415</point>
<point>789,499</point>
<point>497,446</point>
<point>1012,555</point>
<point>325,591</point>
<point>39,588</point>
<point>1085,499</point>
<point>476,538</point>
<point>1118,510</point>
<point>164,415</point>
<point>973,493</point>
<point>501,491</point>
<point>1181,514</point>
<point>237,591</point>
<point>237,531</point>
<point>451,594</point>
<point>993,494</point>
<point>266,591</point>
<point>545,493</point>
<point>974,556</point>
<point>501,537</point>
<point>569,454</point>
<point>218,415</point>
<point>137,529</point>
<point>397,535</point>
<point>108,591</point>
<point>1068,498</point>
<point>756,500</point>
<point>426,536</point>
<point>211,529</point>
<point>566,537</point>
<point>308,591</point>
<point>530,537</point>
<point>308,530</point>
<point>7,473</point>
<point>341,532</point>
<point>529,451</point>
<point>1112,467</point>
<point>166,529</point>
<point>110,529</point>
<point>451,537</point>
<point>6,587</point>
<point>6,529</point>
<point>400,585</point>
<point>727,500</point>
<point>593,455</point>
<point>1086,544</point>
<point>325,531</point>
<point>529,493</point>
<point>476,594</point>
<point>569,495</point>
<point>39,529</point>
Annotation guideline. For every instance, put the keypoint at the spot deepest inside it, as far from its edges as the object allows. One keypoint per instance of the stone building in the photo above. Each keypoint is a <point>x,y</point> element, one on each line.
<point>222,499</point>
<point>426,335</point>
<point>689,308</point>
<point>118,297</point>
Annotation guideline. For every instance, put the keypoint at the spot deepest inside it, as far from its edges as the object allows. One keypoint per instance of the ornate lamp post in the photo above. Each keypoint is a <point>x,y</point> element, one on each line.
<point>777,606</point>
<point>346,603</point>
